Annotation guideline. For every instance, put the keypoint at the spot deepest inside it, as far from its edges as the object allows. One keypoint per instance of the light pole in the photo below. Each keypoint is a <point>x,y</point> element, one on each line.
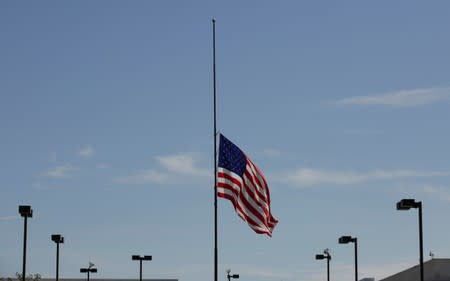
<point>406,204</point>
<point>327,256</point>
<point>140,259</point>
<point>348,239</point>
<point>58,239</point>
<point>89,270</point>
<point>26,212</point>
<point>229,276</point>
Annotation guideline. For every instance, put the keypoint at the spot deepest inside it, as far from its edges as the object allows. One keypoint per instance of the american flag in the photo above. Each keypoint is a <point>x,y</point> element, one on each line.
<point>241,182</point>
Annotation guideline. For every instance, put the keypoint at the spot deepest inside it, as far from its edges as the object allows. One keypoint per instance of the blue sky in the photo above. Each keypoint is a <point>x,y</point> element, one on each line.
<point>106,130</point>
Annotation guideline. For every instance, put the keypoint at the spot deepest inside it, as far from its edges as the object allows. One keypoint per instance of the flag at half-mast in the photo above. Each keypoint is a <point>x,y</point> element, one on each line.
<point>243,183</point>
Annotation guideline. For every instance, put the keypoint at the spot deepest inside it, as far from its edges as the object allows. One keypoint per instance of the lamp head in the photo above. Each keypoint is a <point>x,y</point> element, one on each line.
<point>135,257</point>
<point>147,258</point>
<point>83,270</point>
<point>346,239</point>
<point>57,238</point>
<point>406,204</point>
<point>320,257</point>
<point>26,211</point>
<point>235,276</point>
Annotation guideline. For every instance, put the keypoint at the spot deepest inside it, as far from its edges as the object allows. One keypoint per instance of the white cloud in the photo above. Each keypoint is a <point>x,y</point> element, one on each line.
<point>145,177</point>
<point>9,218</point>
<point>86,151</point>
<point>183,163</point>
<point>403,98</point>
<point>307,177</point>
<point>59,172</point>
<point>174,169</point>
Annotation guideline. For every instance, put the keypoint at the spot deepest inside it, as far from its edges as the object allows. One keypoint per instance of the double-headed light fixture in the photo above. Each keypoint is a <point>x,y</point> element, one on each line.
<point>140,259</point>
<point>325,255</point>
<point>88,270</point>
<point>404,205</point>
<point>229,275</point>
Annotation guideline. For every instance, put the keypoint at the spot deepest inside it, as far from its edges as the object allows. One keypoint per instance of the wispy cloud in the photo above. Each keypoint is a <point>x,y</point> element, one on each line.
<point>86,151</point>
<point>59,172</point>
<point>403,98</point>
<point>173,169</point>
<point>305,177</point>
<point>144,177</point>
<point>9,218</point>
<point>183,163</point>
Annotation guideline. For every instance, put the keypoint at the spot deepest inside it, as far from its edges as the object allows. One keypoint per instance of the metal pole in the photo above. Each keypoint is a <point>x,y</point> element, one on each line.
<point>88,273</point>
<point>57,261</point>
<point>421,242</point>
<point>24,248</point>
<point>140,270</point>
<point>215,153</point>
<point>328,267</point>
<point>356,259</point>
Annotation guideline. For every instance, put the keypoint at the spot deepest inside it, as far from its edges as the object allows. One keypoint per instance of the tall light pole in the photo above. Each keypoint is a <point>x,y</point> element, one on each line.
<point>88,270</point>
<point>229,276</point>
<point>406,204</point>
<point>326,255</point>
<point>26,212</point>
<point>346,240</point>
<point>58,239</point>
<point>140,259</point>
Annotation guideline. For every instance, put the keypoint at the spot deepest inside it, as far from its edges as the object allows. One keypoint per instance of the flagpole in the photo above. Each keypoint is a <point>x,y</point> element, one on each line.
<point>215,151</point>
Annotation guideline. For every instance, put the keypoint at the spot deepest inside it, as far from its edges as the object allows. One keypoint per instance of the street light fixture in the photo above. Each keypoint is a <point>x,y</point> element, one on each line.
<point>346,240</point>
<point>58,239</point>
<point>25,212</point>
<point>229,276</point>
<point>327,256</point>
<point>140,259</point>
<point>406,204</point>
<point>89,270</point>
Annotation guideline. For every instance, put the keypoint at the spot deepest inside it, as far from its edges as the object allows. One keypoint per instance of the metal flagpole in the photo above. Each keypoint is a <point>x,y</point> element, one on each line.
<point>215,151</point>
